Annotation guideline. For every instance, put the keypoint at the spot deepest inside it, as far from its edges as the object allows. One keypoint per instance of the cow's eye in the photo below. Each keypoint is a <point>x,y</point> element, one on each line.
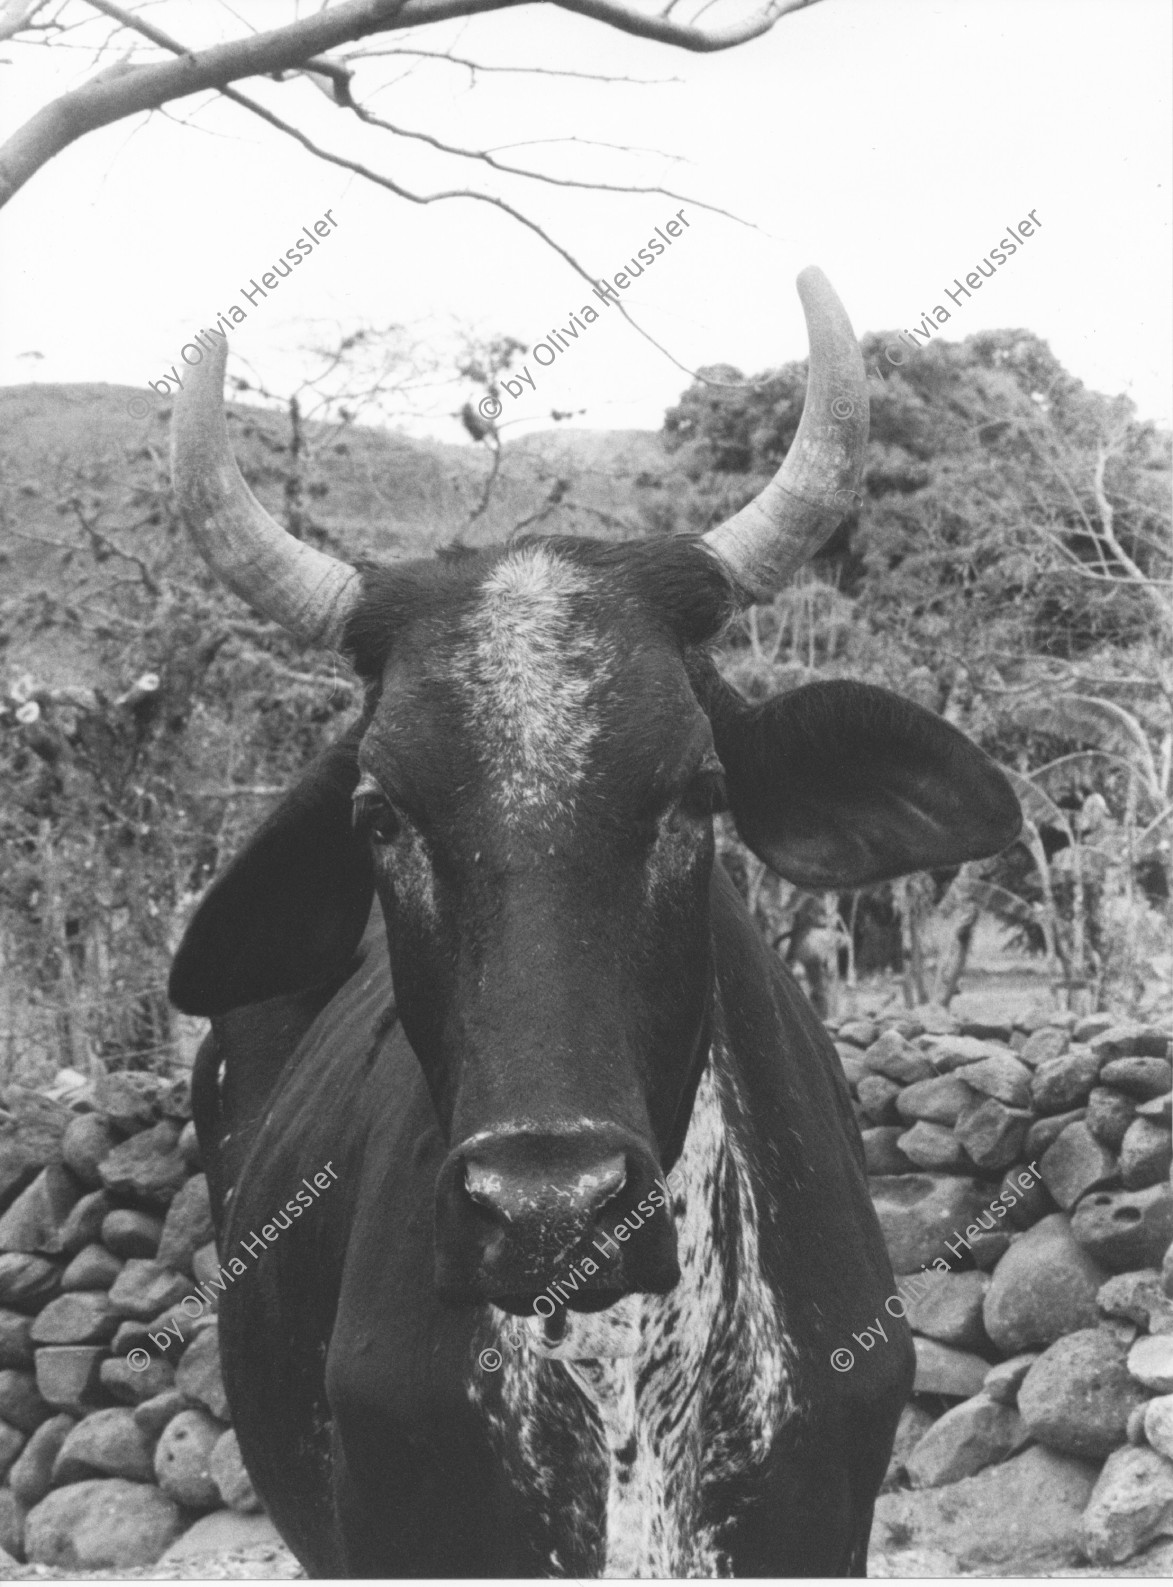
<point>374,814</point>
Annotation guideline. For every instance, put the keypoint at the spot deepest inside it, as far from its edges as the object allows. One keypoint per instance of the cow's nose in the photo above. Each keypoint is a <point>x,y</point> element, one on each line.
<point>512,1193</point>
<point>519,1209</point>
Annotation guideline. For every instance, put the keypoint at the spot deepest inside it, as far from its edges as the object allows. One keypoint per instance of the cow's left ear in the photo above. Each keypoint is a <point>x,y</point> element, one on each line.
<point>841,784</point>
<point>288,913</point>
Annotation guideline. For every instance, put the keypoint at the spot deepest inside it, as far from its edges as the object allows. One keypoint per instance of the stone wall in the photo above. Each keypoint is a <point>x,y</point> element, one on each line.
<point>114,1452</point>
<point>1021,1177</point>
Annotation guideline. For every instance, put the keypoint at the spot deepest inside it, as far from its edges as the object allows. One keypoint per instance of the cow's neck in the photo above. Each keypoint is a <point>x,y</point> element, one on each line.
<point>700,1387</point>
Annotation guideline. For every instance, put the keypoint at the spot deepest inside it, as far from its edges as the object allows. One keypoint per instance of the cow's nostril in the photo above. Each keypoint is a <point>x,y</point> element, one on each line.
<point>512,1194</point>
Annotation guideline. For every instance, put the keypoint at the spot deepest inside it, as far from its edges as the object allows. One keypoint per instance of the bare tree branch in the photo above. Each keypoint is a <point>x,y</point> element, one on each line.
<point>124,90</point>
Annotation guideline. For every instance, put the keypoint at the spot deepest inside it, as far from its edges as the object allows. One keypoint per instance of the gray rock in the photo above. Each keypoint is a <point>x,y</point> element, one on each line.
<point>1159,1109</point>
<point>12,1514</point>
<point>1125,1229</point>
<point>230,1476</point>
<point>1141,1078</point>
<point>992,1134</point>
<point>978,1433</point>
<point>933,1147</point>
<point>147,1167</point>
<point>1109,1113</point>
<point>1092,1025</point>
<point>87,1139</point>
<point>33,1221</point>
<point>877,1097</point>
<point>1135,1431</point>
<point>83,1226</point>
<point>936,1101</point>
<point>958,1052</point>
<point>183,1456</point>
<point>896,1059</point>
<point>852,1064</point>
<point>189,1146</point>
<point>145,1288</point>
<point>1132,1504</point>
<point>226,1533</point>
<point>92,1268</point>
<point>27,1282</point>
<point>1026,1197</point>
<point>205,1264</point>
<point>188,1225</point>
<point>1158,1424</point>
<point>1075,1164</point>
<point>1124,1332</point>
<point>154,1414</point>
<point>946,1306</point>
<point>918,1213</point>
<point>80,1317</point>
<point>1004,1380</point>
<point>1050,1041</point>
<point>15,1345</point>
<point>937,1021</point>
<point>131,1234</point>
<point>859,1032</point>
<point>880,1152</point>
<point>21,1404</point>
<point>942,1369</point>
<point>1130,1041</point>
<point>1044,1131</point>
<point>986,1026</point>
<point>1150,1361</point>
<point>107,1524</point>
<point>32,1475</point>
<point>1078,1396</point>
<point>914,1423</point>
<point>199,1374</point>
<point>1146,1154</point>
<point>104,1444</point>
<point>1002,1077</point>
<point>175,1099</point>
<point>67,1376</point>
<point>1138,1296</point>
<point>1021,1516</point>
<point>988,1250</point>
<point>1045,1286</point>
<point>12,1441</point>
<point>124,1381</point>
<point>1061,1083</point>
<point>129,1101</point>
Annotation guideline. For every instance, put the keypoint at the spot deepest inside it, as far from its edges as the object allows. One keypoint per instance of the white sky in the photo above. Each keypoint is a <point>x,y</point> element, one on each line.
<point>890,143</point>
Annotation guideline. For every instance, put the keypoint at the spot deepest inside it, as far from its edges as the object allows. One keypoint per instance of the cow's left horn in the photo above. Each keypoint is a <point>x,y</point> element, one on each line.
<point>817,485</point>
<point>306,591</point>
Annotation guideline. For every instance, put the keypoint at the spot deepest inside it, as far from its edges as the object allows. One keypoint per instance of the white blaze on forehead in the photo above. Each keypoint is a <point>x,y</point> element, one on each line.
<point>531,667</point>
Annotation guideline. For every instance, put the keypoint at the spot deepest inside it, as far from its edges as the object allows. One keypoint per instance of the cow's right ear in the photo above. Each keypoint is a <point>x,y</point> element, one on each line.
<point>291,908</point>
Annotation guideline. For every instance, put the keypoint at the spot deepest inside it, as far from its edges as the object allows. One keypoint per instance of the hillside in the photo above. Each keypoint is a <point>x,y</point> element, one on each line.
<point>370,492</point>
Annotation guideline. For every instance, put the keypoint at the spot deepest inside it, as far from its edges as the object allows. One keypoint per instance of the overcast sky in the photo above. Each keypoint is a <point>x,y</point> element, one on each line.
<point>890,141</point>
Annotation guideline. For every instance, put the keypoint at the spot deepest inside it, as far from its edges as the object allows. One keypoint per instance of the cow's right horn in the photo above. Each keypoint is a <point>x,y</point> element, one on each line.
<point>818,483</point>
<point>309,593</point>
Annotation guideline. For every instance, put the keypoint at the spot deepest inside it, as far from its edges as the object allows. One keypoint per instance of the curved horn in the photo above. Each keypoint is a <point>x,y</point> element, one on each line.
<point>306,591</point>
<point>817,485</point>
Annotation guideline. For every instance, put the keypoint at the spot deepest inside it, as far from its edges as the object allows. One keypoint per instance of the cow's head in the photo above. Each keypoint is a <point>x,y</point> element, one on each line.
<point>530,790</point>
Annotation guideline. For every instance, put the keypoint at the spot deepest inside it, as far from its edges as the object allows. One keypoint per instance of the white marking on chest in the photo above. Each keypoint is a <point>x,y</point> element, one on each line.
<point>697,1401</point>
<point>531,667</point>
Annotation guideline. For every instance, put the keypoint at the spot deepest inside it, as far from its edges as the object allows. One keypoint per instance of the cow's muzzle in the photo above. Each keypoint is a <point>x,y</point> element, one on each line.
<point>581,1217</point>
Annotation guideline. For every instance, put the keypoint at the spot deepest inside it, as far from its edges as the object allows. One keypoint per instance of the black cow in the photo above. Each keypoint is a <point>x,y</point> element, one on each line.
<point>477,990</point>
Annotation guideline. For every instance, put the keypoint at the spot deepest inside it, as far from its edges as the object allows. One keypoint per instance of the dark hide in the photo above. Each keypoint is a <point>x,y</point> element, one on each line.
<point>551,984</point>
<point>349,1379</point>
